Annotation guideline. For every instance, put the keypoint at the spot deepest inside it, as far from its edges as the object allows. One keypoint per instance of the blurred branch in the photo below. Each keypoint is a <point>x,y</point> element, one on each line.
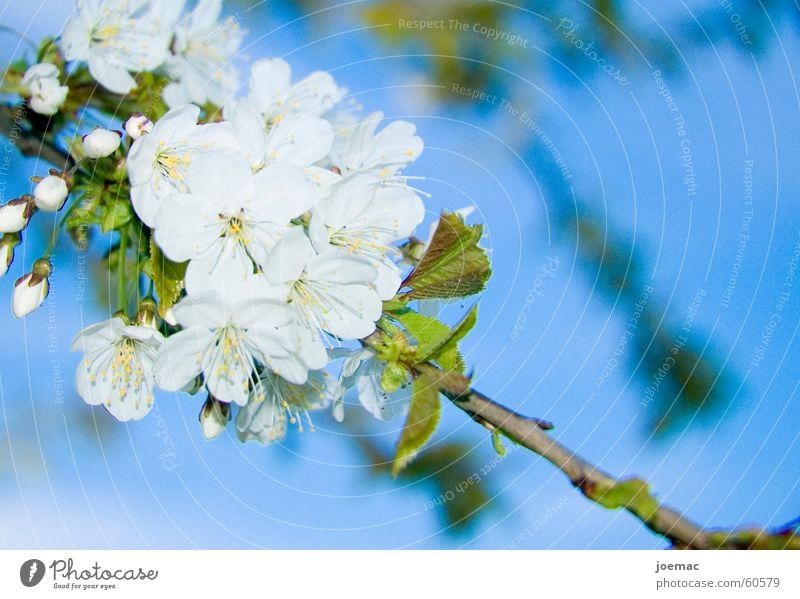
<point>633,494</point>
<point>15,126</point>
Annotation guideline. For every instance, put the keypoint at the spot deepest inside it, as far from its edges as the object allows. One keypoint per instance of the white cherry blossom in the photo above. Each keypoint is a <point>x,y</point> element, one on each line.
<point>117,370</point>
<point>362,217</point>
<point>45,93</point>
<point>363,371</point>
<point>275,403</point>
<point>228,335</point>
<point>383,153</point>
<point>333,292</point>
<point>274,96</point>
<point>158,161</point>
<point>120,37</point>
<point>300,139</point>
<point>229,225</point>
<point>201,64</point>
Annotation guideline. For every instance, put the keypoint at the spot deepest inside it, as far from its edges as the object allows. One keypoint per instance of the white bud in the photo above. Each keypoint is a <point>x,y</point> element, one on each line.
<point>46,94</point>
<point>43,70</point>
<point>6,257</point>
<point>101,143</point>
<point>31,289</point>
<point>214,417</point>
<point>50,193</point>
<point>137,125</point>
<point>7,245</point>
<point>15,215</point>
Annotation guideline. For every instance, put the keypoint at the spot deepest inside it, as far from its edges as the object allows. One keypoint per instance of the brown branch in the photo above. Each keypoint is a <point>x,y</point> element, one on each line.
<point>598,486</point>
<point>16,126</point>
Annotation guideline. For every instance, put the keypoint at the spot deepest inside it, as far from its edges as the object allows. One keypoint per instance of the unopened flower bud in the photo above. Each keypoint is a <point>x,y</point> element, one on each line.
<point>50,193</point>
<point>137,125</point>
<point>101,143</point>
<point>7,245</point>
<point>147,316</point>
<point>15,215</point>
<point>169,318</point>
<point>31,289</point>
<point>412,251</point>
<point>214,417</point>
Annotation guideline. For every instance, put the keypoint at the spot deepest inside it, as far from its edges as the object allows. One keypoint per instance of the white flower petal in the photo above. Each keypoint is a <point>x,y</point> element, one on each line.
<point>114,78</point>
<point>288,258</point>
<point>300,139</point>
<point>187,225</point>
<point>180,358</point>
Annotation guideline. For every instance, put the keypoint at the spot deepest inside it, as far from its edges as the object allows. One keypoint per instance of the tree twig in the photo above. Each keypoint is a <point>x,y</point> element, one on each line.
<point>15,125</point>
<point>631,494</point>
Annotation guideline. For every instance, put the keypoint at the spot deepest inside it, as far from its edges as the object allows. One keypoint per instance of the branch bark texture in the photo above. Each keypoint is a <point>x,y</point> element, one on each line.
<point>633,494</point>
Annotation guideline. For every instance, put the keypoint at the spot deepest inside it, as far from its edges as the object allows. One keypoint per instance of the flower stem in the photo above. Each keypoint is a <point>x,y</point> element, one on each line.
<point>53,239</point>
<point>123,246</point>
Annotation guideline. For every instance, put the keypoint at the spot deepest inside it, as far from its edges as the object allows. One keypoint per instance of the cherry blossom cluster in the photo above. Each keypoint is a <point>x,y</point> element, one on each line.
<point>287,217</point>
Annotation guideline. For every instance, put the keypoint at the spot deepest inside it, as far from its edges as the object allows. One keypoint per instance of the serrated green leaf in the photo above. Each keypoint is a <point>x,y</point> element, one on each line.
<point>167,277</point>
<point>436,341</point>
<point>423,416</point>
<point>453,265</point>
<point>447,355</point>
<point>451,360</point>
<point>116,214</point>
<point>428,332</point>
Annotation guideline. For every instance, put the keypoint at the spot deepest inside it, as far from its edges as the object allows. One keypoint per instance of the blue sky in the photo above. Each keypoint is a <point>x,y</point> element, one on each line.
<point>70,477</point>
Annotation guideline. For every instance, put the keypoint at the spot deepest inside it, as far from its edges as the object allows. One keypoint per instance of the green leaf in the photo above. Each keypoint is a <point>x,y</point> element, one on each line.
<point>453,265</point>
<point>117,213</point>
<point>167,277</point>
<point>497,443</point>
<point>428,332</point>
<point>396,304</point>
<point>436,341</point>
<point>82,217</point>
<point>423,416</point>
<point>632,494</point>
<point>447,355</point>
